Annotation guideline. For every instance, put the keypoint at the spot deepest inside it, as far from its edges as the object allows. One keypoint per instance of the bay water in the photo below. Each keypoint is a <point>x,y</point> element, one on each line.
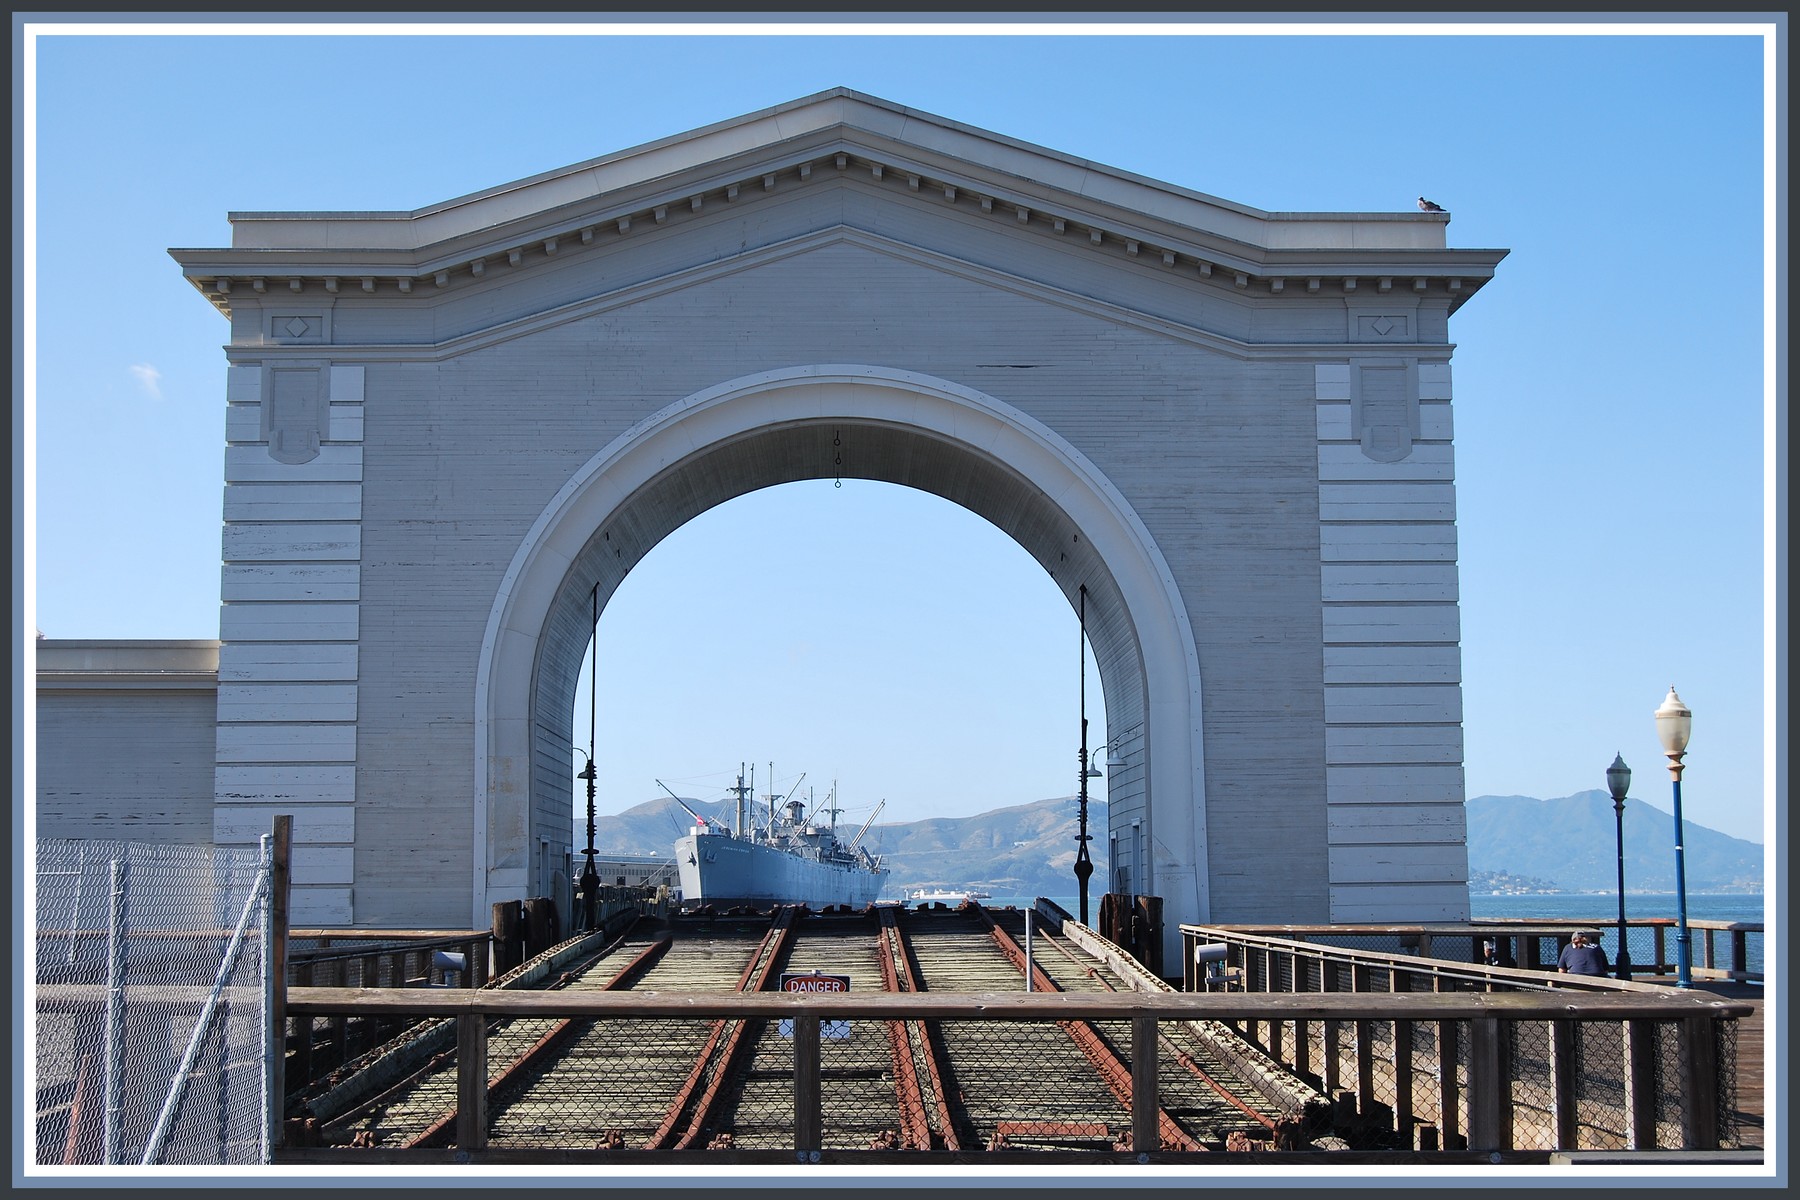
<point>1595,910</point>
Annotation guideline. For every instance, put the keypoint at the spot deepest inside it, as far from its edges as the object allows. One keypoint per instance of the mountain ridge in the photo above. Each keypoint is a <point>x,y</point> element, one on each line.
<point>1565,844</point>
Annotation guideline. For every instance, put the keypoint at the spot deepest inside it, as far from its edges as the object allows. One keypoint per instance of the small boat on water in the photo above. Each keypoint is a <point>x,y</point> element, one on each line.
<point>942,895</point>
<point>790,858</point>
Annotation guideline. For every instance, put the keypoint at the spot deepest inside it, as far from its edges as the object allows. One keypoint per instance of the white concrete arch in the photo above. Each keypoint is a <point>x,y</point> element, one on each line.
<point>1151,644</point>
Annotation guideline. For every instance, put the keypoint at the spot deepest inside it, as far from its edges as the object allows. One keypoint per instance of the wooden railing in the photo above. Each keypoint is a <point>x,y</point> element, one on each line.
<point>1481,1022</point>
<point>371,958</point>
<point>1273,972</point>
<point>1721,950</point>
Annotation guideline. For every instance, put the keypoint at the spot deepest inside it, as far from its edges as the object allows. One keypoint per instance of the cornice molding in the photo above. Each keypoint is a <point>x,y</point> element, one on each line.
<point>833,154</point>
<point>689,277</point>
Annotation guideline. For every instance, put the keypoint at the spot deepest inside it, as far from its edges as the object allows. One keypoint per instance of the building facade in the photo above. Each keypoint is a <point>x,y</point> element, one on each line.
<point>1225,433</point>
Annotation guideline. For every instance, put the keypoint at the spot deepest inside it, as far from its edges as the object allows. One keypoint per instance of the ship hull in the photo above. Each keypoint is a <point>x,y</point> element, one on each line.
<point>726,871</point>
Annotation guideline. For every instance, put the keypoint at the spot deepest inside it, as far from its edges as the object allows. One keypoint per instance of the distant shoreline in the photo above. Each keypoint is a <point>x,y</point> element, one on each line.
<point>1595,892</point>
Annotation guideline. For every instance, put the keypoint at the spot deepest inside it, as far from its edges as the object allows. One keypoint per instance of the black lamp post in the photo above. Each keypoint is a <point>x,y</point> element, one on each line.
<point>1084,864</point>
<point>590,878</point>
<point>1674,723</point>
<point>1618,781</point>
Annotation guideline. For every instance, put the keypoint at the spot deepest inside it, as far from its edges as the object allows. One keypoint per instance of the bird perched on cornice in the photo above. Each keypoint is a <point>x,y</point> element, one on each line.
<point>1429,206</point>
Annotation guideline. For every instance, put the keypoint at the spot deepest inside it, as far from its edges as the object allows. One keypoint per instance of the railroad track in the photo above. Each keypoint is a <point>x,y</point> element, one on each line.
<point>953,1085</point>
<point>1201,1073</point>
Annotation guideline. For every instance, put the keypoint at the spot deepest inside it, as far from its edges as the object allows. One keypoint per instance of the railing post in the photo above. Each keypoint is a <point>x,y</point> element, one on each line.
<point>1146,1135</point>
<point>474,963</point>
<point>1562,1084</point>
<point>507,919</point>
<point>1365,1042</point>
<point>471,1081</point>
<point>1332,1067</point>
<point>1302,1027</point>
<point>1640,1085</point>
<point>1490,1086</point>
<point>806,1082</point>
<point>1454,1135</point>
<point>1699,1084</point>
<point>1405,1114</point>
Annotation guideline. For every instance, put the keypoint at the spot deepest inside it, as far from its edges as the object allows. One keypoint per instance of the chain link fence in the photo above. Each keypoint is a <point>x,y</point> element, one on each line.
<point>151,1019</point>
<point>730,1084</point>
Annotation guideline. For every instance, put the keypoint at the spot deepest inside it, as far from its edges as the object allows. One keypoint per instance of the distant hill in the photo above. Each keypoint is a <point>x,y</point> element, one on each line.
<point>1516,843</point>
<point>1572,844</point>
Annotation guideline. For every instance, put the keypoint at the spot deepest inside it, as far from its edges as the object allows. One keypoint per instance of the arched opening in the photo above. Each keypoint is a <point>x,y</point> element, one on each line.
<point>853,423</point>
<point>841,636</point>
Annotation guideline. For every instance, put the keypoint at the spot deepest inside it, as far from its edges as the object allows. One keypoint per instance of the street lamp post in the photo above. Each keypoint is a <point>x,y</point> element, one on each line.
<point>1084,863</point>
<point>1674,723</point>
<point>590,878</point>
<point>1618,781</point>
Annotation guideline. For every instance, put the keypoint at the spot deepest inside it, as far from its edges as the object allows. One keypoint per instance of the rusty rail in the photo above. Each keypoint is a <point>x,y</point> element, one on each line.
<point>722,1045</point>
<point>551,1041</point>
<point>1122,1080</point>
<point>912,1041</point>
<point>1181,1056</point>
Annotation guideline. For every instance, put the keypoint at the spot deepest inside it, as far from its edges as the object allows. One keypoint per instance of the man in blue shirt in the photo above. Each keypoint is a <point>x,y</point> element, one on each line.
<point>1582,956</point>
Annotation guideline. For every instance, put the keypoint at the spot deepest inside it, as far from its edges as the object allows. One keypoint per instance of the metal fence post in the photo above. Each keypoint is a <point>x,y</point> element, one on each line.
<point>203,1027</point>
<point>265,1135</point>
<point>115,1008</point>
<point>280,878</point>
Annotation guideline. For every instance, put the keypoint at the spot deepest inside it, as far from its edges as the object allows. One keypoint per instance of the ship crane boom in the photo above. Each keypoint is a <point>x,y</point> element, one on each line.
<point>867,823</point>
<point>677,799</point>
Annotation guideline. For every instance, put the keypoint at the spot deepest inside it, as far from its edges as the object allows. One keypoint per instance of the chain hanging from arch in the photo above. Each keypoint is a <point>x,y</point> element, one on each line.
<point>837,448</point>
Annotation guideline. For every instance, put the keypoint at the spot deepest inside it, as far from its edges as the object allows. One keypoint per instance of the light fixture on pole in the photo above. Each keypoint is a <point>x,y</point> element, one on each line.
<point>1618,781</point>
<point>1674,722</point>
<point>1084,864</point>
<point>1115,757</point>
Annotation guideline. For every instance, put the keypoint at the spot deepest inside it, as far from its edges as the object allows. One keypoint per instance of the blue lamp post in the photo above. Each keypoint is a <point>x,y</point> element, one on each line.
<point>1674,722</point>
<point>1618,782</point>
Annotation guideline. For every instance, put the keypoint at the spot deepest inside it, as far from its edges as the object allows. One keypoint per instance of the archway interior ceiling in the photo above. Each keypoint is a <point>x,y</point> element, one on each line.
<point>884,453</point>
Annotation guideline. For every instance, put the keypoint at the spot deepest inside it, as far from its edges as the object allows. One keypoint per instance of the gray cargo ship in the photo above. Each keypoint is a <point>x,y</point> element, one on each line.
<point>789,859</point>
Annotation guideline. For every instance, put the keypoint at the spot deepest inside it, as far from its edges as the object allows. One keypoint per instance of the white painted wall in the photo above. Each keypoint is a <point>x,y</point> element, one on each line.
<point>1273,421</point>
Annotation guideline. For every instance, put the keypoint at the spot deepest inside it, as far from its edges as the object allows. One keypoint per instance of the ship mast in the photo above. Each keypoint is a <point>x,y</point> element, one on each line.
<point>741,792</point>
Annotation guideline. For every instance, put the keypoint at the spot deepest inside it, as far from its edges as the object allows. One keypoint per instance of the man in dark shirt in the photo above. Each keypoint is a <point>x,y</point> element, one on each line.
<point>1582,956</point>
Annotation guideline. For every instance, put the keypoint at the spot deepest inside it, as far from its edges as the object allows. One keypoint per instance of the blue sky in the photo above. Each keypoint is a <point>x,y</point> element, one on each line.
<point>1612,383</point>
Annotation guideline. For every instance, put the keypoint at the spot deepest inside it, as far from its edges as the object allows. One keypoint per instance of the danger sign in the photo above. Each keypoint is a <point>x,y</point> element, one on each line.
<point>815,981</point>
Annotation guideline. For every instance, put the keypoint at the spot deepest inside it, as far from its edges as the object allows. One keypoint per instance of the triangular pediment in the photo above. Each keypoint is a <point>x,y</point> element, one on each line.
<point>834,138</point>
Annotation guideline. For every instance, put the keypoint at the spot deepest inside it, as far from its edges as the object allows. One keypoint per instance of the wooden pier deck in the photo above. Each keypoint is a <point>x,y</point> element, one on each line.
<point>1751,1098</point>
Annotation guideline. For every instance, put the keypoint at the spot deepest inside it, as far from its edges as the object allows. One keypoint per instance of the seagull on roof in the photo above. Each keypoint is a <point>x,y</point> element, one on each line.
<point>1429,205</point>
